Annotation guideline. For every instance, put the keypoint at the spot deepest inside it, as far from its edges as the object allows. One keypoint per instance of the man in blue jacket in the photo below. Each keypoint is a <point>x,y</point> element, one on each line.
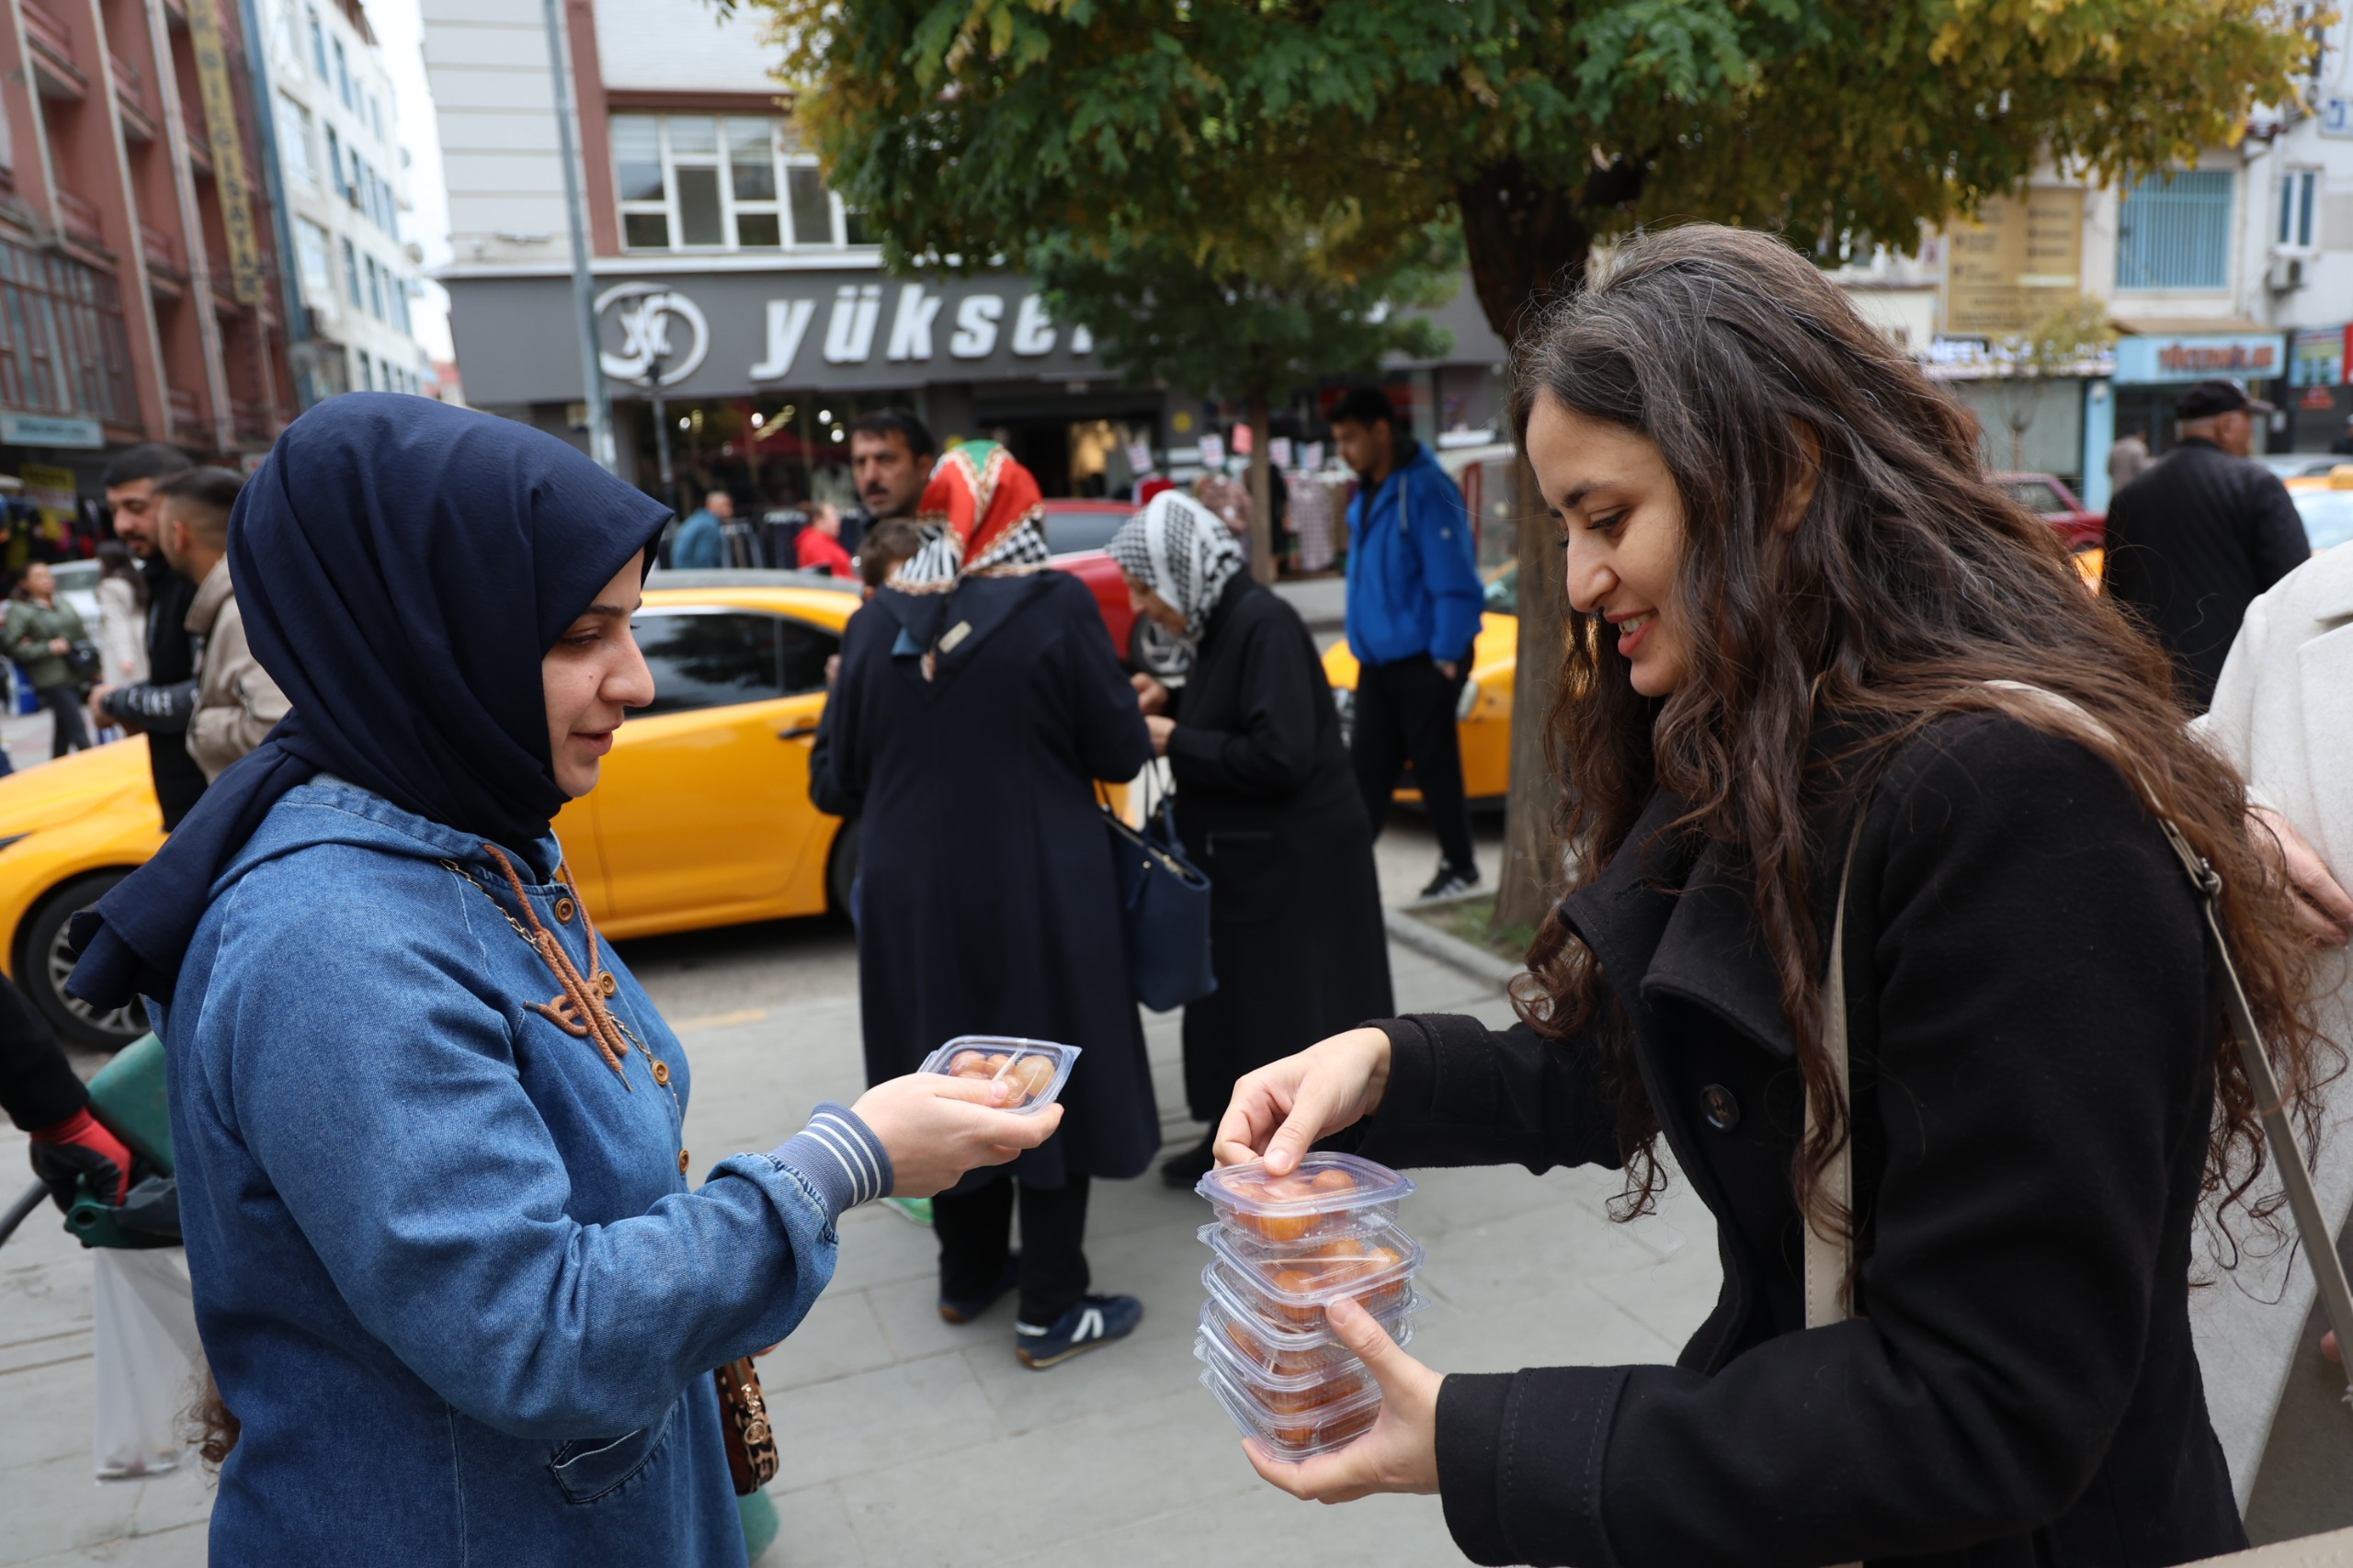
<point>700,544</point>
<point>1413,607</point>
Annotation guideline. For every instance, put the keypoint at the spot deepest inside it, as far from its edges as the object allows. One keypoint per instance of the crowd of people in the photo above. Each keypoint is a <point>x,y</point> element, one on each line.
<point>1905,879</point>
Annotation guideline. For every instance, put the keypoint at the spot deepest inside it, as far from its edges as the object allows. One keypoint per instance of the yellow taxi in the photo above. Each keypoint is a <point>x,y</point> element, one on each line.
<point>2325,502</point>
<point>701,817</point>
<point>1483,716</point>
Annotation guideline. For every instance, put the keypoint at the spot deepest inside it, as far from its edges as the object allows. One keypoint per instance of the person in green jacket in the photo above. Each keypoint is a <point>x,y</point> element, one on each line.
<point>42,628</point>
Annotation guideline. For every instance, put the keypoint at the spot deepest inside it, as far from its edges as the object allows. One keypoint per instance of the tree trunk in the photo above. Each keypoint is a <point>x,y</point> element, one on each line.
<point>1528,241</point>
<point>1262,510</point>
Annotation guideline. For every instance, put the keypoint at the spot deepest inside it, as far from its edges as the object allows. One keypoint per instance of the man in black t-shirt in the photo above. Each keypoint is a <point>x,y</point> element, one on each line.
<point>158,706</point>
<point>2194,540</point>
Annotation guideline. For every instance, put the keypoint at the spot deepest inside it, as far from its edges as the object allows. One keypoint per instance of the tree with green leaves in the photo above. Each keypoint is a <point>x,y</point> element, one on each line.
<point>1246,321</point>
<point>980,127</point>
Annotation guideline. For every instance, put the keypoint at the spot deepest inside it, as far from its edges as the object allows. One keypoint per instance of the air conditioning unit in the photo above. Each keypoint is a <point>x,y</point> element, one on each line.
<point>2285,274</point>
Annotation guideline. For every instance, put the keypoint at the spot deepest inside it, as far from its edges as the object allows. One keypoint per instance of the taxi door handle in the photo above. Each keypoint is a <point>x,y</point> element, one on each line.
<point>798,733</point>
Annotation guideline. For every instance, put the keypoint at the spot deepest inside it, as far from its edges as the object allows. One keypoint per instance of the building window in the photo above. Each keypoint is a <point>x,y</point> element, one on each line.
<point>335,163</point>
<point>318,271</point>
<point>2299,191</point>
<point>367,378</point>
<point>318,45</point>
<point>375,289</point>
<point>294,139</point>
<point>62,348</point>
<point>351,274</point>
<point>2176,233</point>
<point>376,116</point>
<point>695,182</point>
<point>343,78</point>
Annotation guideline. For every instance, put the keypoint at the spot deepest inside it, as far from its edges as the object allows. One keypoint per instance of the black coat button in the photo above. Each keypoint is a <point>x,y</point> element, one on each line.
<point>1723,1110</point>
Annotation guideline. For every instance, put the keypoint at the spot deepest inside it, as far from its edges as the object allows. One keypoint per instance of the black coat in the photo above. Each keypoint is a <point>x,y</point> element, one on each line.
<point>2032,1029</point>
<point>2191,543</point>
<point>1269,807</point>
<point>988,906</point>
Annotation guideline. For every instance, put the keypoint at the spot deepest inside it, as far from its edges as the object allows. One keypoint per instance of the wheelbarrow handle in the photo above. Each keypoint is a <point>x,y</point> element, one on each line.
<point>19,1209</point>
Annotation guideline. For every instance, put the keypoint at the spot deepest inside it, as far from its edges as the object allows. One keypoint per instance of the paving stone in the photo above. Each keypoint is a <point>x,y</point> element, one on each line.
<point>813,1531</point>
<point>1258,1527</point>
<point>48,1413</point>
<point>881,1421</point>
<point>839,1338</point>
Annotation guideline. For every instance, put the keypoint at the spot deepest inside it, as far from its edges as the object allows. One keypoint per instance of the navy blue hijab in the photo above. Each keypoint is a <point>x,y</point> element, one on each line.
<point>401,567</point>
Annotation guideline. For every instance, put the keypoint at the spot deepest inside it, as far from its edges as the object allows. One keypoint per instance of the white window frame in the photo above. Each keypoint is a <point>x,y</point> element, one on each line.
<point>318,287</point>
<point>294,130</point>
<point>2299,230</point>
<point>730,207</point>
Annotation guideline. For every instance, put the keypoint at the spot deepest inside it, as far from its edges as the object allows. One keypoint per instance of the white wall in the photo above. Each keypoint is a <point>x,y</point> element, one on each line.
<point>685,46</point>
<point>486,62</point>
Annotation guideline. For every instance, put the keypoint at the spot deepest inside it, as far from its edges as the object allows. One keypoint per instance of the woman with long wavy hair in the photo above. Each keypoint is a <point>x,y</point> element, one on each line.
<point>1821,677</point>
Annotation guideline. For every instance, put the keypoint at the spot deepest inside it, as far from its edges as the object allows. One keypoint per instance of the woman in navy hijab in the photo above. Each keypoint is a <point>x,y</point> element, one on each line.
<point>459,1299</point>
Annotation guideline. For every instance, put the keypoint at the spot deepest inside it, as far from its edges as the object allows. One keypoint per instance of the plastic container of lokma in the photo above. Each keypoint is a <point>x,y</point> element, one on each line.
<point>1037,1069</point>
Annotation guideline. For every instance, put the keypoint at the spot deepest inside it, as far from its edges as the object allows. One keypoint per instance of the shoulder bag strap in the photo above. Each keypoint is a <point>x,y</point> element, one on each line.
<point>1829,1259</point>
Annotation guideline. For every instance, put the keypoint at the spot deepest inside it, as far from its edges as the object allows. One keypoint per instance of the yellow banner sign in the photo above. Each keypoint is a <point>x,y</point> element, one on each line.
<point>2021,261</point>
<point>228,151</point>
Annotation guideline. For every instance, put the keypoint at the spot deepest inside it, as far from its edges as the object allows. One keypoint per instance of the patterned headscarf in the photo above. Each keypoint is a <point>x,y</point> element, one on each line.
<point>1181,551</point>
<point>981,513</point>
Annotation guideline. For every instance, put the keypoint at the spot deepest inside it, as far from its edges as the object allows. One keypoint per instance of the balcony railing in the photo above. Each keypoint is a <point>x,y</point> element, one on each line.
<point>48,34</point>
<point>162,252</point>
<point>62,348</point>
<point>187,413</point>
<point>80,219</point>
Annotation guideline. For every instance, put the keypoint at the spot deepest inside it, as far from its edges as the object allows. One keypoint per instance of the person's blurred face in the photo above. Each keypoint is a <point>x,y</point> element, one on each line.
<point>1148,603</point>
<point>2234,432</point>
<point>721,505</point>
<point>39,581</point>
<point>590,678</point>
<point>827,522</point>
<point>134,515</point>
<point>1621,525</point>
<point>1362,447</point>
<point>890,478</point>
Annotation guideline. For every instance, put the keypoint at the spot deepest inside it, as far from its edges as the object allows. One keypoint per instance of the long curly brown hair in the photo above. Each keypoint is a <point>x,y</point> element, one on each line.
<point>1907,584</point>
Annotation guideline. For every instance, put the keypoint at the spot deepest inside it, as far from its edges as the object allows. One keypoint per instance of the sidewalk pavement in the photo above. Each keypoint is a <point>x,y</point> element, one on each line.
<point>907,1442</point>
<point>1322,602</point>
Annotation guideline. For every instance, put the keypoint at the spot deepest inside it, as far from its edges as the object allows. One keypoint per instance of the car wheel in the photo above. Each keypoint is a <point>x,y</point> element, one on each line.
<point>1156,652</point>
<point>43,962</point>
<point>841,868</point>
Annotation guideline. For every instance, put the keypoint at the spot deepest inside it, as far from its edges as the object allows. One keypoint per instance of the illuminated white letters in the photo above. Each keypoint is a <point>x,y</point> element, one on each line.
<point>788,324</point>
<point>1033,330</point>
<point>976,321</point>
<point>911,327</point>
<point>850,330</point>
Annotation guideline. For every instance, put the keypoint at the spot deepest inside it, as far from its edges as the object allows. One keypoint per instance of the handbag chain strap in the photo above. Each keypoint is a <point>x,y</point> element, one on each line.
<point>1830,1248</point>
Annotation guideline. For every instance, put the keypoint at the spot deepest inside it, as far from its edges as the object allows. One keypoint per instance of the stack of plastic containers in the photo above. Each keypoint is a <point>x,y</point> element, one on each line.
<point>1285,1248</point>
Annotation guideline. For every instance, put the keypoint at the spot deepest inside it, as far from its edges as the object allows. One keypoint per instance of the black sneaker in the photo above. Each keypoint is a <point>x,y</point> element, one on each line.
<point>1450,881</point>
<point>1096,1321</point>
<point>1183,1171</point>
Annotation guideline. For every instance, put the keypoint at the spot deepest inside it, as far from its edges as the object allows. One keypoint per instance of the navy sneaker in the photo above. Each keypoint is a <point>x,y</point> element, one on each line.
<point>1097,1320</point>
<point>961,1311</point>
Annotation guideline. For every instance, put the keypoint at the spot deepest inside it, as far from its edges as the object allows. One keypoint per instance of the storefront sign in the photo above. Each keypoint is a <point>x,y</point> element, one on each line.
<point>2318,356</point>
<point>2248,357</point>
<point>228,151</point>
<point>2019,262</point>
<point>49,430</point>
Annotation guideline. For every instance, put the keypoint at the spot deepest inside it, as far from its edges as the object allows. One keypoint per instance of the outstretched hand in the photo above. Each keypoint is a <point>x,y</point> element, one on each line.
<point>936,1127</point>
<point>1282,1108</point>
<point>1398,1454</point>
<point>2323,907</point>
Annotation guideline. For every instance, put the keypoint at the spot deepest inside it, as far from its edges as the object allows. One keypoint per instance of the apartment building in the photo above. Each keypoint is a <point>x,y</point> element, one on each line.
<point>342,187</point>
<point>138,297</point>
<point>729,277</point>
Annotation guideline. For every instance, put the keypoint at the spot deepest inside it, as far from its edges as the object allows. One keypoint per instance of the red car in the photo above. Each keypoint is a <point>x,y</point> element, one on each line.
<point>2046,498</point>
<point>1078,532</point>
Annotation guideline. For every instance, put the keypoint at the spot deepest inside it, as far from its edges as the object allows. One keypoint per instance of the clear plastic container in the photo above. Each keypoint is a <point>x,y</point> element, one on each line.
<point>1296,1283</point>
<point>1279,1348</point>
<point>1036,1068</point>
<point>1282,1396</point>
<point>1328,1196</point>
<point>1293,1438</point>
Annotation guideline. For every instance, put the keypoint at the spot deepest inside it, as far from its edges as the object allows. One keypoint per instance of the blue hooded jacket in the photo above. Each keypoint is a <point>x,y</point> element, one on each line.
<point>1413,577</point>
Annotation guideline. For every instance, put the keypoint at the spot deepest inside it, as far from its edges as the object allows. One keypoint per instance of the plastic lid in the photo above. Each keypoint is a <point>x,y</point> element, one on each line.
<point>1334,1384</point>
<point>1296,1342</point>
<point>1300,1435</point>
<point>989,1056</point>
<point>1286,1207</point>
<point>1299,1282</point>
<point>1244,1354</point>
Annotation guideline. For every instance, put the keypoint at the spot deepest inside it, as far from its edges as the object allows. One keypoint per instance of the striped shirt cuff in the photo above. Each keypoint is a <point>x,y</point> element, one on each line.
<point>841,1158</point>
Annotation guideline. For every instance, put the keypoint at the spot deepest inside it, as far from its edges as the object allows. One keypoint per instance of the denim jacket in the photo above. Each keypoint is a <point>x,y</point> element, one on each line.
<point>448,1271</point>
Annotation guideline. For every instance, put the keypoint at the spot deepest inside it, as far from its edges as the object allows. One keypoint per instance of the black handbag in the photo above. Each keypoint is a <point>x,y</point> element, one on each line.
<point>1164,910</point>
<point>82,660</point>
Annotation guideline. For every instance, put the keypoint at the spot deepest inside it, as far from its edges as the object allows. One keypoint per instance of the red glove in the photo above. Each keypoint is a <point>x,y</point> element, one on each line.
<point>80,1146</point>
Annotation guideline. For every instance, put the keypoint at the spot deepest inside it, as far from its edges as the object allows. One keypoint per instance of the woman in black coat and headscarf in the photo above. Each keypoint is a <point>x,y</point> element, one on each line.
<point>1268,807</point>
<point>978,703</point>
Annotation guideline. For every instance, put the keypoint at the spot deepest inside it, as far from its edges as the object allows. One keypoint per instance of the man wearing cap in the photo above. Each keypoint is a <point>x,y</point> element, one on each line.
<point>2193,541</point>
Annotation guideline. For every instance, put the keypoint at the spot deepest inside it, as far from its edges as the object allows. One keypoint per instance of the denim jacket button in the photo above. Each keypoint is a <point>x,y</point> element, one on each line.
<point>563,911</point>
<point>662,1073</point>
<point>605,982</point>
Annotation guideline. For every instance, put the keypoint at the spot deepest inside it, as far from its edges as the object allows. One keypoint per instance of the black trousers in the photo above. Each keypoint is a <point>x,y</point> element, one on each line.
<point>1404,712</point>
<point>65,703</point>
<point>975,1232</point>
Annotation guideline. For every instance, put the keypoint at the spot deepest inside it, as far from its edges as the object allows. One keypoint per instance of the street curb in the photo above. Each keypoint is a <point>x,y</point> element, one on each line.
<point>1427,939</point>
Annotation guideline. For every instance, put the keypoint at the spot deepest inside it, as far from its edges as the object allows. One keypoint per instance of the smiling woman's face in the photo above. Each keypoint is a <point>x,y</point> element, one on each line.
<point>1621,516</point>
<point>592,676</point>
